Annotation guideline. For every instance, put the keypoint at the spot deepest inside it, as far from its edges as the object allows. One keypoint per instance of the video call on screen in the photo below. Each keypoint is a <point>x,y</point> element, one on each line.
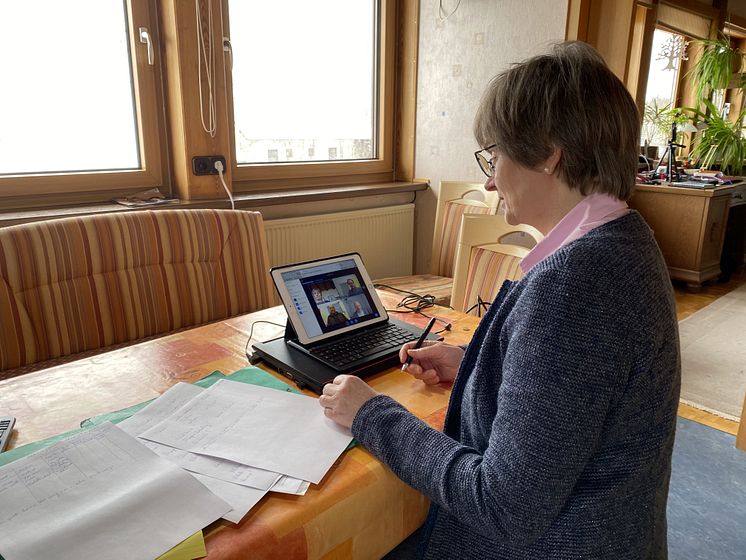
<point>338,299</point>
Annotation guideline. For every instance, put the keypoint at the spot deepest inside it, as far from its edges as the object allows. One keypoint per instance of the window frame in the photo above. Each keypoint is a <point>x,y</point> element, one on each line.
<point>248,177</point>
<point>22,190</point>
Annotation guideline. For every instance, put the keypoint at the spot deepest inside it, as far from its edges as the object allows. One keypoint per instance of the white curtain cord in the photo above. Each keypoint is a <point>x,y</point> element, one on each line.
<point>211,125</point>
<point>441,11</point>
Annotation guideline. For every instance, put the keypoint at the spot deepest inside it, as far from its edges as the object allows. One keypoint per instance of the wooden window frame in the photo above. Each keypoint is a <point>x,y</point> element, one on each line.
<point>268,176</point>
<point>23,190</point>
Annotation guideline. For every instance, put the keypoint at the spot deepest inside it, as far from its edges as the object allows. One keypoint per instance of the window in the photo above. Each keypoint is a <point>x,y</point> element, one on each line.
<point>660,95</point>
<point>81,103</point>
<point>307,89</point>
<point>310,84</point>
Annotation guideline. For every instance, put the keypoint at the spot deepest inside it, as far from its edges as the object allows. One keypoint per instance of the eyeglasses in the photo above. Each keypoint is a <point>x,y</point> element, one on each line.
<point>486,165</point>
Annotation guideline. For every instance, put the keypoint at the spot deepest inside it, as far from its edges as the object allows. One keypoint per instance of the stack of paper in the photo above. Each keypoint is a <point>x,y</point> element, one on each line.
<point>99,495</point>
<point>104,494</point>
<point>241,440</point>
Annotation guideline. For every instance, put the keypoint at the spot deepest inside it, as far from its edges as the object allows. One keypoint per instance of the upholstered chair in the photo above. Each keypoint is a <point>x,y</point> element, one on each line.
<point>489,252</point>
<point>455,200</point>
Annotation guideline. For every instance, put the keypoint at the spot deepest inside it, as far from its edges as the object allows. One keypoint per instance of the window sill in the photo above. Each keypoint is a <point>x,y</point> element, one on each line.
<point>243,201</point>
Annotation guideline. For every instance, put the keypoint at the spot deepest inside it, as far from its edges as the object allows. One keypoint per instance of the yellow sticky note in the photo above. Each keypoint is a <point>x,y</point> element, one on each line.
<point>193,547</point>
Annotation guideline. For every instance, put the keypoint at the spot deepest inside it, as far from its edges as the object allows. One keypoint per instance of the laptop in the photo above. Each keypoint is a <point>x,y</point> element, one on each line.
<point>336,323</point>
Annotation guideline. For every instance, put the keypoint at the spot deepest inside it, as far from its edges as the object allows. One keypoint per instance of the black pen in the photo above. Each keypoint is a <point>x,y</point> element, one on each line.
<point>419,342</point>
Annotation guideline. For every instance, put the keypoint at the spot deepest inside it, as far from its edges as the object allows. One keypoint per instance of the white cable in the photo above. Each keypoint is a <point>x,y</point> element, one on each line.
<point>209,62</point>
<point>219,167</point>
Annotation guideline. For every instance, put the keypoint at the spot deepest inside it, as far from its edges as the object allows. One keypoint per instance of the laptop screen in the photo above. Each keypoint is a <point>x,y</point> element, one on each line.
<point>328,297</point>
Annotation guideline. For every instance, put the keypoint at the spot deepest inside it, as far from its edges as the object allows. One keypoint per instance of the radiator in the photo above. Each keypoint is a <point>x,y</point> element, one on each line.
<point>384,237</point>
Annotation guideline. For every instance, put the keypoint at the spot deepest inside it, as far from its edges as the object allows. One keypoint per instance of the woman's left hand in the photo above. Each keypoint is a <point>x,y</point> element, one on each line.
<point>343,397</point>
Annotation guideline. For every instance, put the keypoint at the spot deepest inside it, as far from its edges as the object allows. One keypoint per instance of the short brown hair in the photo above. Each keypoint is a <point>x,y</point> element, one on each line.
<point>571,100</point>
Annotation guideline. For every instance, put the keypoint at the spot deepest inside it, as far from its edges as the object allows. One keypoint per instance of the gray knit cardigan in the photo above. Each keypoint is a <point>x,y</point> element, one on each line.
<point>558,438</point>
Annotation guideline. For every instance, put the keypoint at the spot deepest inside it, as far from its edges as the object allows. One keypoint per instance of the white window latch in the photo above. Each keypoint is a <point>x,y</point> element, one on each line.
<point>147,39</point>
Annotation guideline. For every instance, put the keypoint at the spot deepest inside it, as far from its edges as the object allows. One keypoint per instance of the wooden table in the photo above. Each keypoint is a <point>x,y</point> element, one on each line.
<point>360,509</point>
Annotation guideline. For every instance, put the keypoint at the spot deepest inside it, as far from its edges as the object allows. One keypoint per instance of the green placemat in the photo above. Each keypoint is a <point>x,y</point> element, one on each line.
<point>252,375</point>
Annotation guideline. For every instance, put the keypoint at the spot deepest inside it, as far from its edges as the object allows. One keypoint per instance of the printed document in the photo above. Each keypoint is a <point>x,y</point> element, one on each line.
<point>166,405</point>
<point>252,425</point>
<point>171,401</point>
<point>99,495</point>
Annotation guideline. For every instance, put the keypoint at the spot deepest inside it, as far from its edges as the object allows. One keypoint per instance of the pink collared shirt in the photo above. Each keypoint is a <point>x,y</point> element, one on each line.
<point>593,211</point>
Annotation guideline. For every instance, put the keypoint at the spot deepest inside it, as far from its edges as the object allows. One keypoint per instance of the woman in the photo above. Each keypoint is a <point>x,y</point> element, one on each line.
<point>558,438</point>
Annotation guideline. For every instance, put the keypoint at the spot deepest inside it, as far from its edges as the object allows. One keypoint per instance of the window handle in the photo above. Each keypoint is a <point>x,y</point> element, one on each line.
<point>148,40</point>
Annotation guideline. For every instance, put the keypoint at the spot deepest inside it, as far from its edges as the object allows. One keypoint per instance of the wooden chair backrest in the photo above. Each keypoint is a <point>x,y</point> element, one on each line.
<point>484,260</point>
<point>455,200</point>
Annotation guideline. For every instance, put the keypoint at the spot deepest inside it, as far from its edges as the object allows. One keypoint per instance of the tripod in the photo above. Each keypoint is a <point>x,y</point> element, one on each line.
<point>671,151</point>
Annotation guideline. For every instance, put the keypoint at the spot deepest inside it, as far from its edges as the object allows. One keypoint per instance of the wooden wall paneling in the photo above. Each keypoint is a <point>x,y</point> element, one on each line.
<point>640,52</point>
<point>578,13</point>
<point>610,25</point>
<point>406,89</point>
<point>187,136</point>
<point>387,76</point>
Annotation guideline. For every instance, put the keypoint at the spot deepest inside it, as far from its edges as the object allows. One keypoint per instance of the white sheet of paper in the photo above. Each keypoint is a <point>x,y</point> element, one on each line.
<point>265,428</point>
<point>161,408</point>
<point>223,469</point>
<point>99,495</point>
<point>289,485</point>
<point>240,498</point>
<point>166,405</point>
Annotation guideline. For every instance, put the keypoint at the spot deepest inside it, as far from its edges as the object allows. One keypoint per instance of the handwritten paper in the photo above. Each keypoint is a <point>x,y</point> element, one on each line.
<point>252,425</point>
<point>100,495</point>
<point>161,408</point>
<point>166,405</point>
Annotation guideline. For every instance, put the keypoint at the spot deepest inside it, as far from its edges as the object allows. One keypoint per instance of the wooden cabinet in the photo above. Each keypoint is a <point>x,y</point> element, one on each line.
<point>689,225</point>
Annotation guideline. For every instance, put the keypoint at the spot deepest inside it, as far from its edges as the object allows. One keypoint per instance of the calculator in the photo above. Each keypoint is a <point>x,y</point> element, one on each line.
<point>6,426</point>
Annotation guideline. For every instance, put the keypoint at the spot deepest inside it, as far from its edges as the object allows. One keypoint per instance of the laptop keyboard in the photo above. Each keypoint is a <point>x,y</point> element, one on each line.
<point>344,353</point>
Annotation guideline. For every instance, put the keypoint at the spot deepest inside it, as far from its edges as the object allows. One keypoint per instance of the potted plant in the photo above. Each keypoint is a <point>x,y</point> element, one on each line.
<point>721,141</point>
<point>653,124</point>
<point>656,123</point>
<point>716,65</point>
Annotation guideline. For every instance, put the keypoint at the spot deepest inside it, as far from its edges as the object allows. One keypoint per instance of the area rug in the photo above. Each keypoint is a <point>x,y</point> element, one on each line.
<point>713,356</point>
<point>707,496</point>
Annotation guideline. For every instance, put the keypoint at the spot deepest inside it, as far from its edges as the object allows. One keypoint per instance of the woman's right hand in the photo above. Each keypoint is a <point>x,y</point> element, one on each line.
<point>433,363</point>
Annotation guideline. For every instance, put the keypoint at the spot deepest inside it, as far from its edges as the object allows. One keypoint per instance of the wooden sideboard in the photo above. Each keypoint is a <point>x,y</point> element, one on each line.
<point>689,225</point>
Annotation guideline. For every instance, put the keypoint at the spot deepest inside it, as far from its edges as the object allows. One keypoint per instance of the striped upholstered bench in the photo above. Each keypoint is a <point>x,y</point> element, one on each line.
<point>75,285</point>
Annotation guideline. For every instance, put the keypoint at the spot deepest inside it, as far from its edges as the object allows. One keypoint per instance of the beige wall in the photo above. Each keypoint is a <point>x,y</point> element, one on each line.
<point>457,58</point>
